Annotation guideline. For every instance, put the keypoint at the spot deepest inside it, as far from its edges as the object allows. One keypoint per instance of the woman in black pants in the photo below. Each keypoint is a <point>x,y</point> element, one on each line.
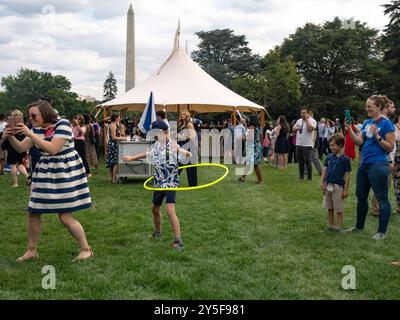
<point>187,137</point>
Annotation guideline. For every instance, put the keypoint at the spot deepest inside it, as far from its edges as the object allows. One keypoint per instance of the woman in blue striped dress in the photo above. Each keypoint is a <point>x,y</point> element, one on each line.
<point>59,183</point>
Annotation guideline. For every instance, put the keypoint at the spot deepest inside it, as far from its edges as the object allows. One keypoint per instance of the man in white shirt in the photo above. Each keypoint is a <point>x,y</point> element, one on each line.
<point>304,128</point>
<point>2,153</point>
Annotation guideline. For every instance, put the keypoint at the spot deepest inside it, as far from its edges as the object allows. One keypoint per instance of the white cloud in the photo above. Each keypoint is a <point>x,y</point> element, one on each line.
<point>85,39</point>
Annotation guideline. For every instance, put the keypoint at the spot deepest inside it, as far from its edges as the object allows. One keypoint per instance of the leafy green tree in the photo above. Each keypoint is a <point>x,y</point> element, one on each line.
<point>29,85</point>
<point>336,63</point>
<point>277,86</point>
<point>224,55</point>
<point>3,103</point>
<point>391,43</point>
<point>110,88</point>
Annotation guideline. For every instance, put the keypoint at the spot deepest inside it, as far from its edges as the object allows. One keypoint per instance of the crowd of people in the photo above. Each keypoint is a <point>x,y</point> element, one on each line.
<point>63,152</point>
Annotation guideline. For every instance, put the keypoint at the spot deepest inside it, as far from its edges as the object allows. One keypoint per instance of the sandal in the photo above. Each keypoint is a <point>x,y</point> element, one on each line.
<point>396,263</point>
<point>27,257</point>
<point>82,258</point>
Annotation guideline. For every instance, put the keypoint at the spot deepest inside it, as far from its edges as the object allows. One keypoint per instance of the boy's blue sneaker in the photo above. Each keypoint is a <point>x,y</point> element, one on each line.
<point>178,245</point>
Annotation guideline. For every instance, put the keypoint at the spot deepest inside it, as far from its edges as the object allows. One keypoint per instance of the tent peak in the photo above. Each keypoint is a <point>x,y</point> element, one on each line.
<point>177,35</point>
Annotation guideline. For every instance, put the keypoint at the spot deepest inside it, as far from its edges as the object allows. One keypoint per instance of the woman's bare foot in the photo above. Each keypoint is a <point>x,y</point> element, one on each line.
<point>84,254</point>
<point>30,254</point>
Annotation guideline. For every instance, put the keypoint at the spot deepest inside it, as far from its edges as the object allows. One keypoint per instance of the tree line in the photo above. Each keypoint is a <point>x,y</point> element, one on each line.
<point>328,67</point>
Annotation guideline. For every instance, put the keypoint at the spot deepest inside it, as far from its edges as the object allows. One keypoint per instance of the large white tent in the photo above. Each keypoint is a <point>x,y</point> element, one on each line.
<point>180,84</point>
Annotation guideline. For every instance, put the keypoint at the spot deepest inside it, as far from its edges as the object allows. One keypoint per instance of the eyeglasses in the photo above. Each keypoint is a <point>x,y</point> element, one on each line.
<point>33,116</point>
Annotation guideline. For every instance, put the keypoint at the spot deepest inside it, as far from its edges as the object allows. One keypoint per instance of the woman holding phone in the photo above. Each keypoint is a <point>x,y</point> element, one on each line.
<point>59,183</point>
<point>377,138</point>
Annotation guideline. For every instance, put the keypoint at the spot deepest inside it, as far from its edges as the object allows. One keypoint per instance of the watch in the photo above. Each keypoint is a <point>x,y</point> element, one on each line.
<point>380,139</point>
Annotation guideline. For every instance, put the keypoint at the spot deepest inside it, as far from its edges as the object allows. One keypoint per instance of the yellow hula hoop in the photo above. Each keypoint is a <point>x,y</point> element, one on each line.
<point>191,188</point>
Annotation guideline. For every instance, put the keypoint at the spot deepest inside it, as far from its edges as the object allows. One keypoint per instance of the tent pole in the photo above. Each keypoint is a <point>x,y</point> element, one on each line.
<point>234,117</point>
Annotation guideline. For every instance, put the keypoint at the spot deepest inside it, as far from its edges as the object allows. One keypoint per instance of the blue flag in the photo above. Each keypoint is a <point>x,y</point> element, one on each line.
<point>148,116</point>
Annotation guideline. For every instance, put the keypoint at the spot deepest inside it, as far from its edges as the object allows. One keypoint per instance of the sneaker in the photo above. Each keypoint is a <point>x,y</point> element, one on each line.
<point>379,236</point>
<point>155,235</point>
<point>352,229</point>
<point>178,245</point>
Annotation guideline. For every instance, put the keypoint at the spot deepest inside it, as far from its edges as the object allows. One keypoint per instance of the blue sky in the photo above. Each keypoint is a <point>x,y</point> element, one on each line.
<point>85,39</point>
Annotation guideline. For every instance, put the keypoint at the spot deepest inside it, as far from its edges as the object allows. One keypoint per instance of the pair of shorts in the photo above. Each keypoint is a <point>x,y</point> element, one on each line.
<point>333,199</point>
<point>15,158</point>
<point>159,196</point>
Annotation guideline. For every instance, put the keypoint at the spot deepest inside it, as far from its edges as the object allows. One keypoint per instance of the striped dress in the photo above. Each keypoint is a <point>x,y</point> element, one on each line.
<point>59,183</point>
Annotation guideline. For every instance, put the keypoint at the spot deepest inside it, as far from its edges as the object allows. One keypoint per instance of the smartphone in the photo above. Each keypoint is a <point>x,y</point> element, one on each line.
<point>347,116</point>
<point>10,122</point>
<point>18,119</point>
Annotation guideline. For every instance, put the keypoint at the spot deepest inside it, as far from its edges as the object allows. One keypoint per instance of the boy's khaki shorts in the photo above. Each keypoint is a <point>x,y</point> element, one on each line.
<point>333,200</point>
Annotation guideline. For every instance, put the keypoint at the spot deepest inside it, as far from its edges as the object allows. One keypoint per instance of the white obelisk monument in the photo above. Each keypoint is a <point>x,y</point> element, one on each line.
<point>130,50</point>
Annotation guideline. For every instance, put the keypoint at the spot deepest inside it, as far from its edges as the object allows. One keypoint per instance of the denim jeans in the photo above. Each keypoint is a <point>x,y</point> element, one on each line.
<point>373,176</point>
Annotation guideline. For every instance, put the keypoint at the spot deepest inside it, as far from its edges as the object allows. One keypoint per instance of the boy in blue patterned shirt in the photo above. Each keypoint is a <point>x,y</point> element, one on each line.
<point>335,181</point>
<point>163,154</point>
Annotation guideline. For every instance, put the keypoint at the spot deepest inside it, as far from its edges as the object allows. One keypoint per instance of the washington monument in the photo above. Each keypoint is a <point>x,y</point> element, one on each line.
<point>130,51</point>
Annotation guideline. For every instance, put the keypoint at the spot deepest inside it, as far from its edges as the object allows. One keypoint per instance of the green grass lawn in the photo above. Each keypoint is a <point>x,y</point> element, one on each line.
<point>242,241</point>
